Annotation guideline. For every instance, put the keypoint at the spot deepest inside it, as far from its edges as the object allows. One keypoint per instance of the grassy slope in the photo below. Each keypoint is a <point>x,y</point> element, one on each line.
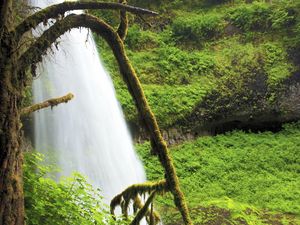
<point>245,176</point>
<point>192,48</point>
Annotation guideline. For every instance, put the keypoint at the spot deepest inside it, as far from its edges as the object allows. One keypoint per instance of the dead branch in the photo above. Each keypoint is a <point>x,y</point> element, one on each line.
<point>49,103</point>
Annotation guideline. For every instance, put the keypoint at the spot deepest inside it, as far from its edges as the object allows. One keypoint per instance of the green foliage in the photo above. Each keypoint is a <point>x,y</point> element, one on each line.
<point>72,200</point>
<point>237,171</point>
<point>171,103</point>
<point>276,64</point>
<point>197,28</point>
<point>260,16</point>
<point>190,52</point>
<point>138,39</point>
<point>173,60</point>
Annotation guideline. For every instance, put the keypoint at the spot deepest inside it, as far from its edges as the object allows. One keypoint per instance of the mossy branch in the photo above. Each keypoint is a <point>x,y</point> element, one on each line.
<point>133,191</point>
<point>49,103</point>
<point>151,215</point>
<point>33,55</point>
<point>143,211</point>
<point>59,9</point>
<point>123,26</point>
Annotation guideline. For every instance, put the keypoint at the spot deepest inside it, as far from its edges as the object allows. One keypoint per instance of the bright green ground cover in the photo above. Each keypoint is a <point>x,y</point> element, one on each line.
<point>236,171</point>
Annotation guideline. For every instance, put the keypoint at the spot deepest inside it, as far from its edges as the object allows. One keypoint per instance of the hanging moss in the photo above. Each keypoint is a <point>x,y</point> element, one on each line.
<point>142,212</point>
<point>134,191</point>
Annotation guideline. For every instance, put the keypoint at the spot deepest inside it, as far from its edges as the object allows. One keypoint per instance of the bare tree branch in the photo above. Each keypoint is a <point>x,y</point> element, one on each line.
<point>49,103</point>
<point>59,9</point>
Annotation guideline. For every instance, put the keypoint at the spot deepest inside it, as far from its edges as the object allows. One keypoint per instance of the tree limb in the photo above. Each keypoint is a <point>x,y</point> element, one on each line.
<point>49,103</point>
<point>142,212</point>
<point>133,191</point>
<point>123,26</point>
<point>59,9</point>
<point>150,215</point>
<point>33,55</point>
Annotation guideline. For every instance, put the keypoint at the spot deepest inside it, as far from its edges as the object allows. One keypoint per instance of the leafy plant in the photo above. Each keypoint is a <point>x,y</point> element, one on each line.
<point>261,16</point>
<point>72,200</point>
<point>197,28</point>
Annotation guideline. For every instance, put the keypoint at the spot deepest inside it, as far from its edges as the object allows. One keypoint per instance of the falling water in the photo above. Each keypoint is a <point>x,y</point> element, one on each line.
<point>89,133</point>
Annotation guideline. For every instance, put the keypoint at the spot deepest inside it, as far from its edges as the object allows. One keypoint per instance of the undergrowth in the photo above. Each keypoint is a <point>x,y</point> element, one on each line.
<point>71,200</point>
<point>253,176</point>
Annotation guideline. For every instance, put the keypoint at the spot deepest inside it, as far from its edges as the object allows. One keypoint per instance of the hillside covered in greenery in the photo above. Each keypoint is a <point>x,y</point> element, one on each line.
<point>209,61</point>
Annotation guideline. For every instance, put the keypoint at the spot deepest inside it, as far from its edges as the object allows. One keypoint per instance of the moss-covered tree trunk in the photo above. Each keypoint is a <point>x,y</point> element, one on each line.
<point>11,192</point>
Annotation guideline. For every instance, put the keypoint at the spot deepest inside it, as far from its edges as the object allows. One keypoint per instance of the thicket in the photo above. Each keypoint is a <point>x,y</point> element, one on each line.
<point>253,176</point>
<point>261,16</point>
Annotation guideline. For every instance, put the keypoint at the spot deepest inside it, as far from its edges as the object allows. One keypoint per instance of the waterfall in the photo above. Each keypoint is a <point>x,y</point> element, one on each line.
<point>88,134</point>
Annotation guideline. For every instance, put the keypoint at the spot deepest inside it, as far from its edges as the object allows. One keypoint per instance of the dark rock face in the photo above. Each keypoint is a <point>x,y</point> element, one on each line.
<point>253,105</point>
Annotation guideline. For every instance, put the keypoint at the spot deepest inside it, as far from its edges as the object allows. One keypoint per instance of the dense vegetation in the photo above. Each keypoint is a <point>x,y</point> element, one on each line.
<point>236,178</point>
<point>194,47</point>
<point>72,200</point>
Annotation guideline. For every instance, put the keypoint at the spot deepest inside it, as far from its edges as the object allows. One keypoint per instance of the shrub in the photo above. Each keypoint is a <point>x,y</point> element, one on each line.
<point>197,28</point>
<point>72,200</point>
<point>172,59</point>
<point>276,64</point>
<point>261,16</point>
<point>138,39</point>
<point>254,16</point>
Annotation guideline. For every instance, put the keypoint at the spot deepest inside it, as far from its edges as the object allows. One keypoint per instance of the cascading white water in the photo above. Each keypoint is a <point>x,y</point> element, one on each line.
<point>89,133</point>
